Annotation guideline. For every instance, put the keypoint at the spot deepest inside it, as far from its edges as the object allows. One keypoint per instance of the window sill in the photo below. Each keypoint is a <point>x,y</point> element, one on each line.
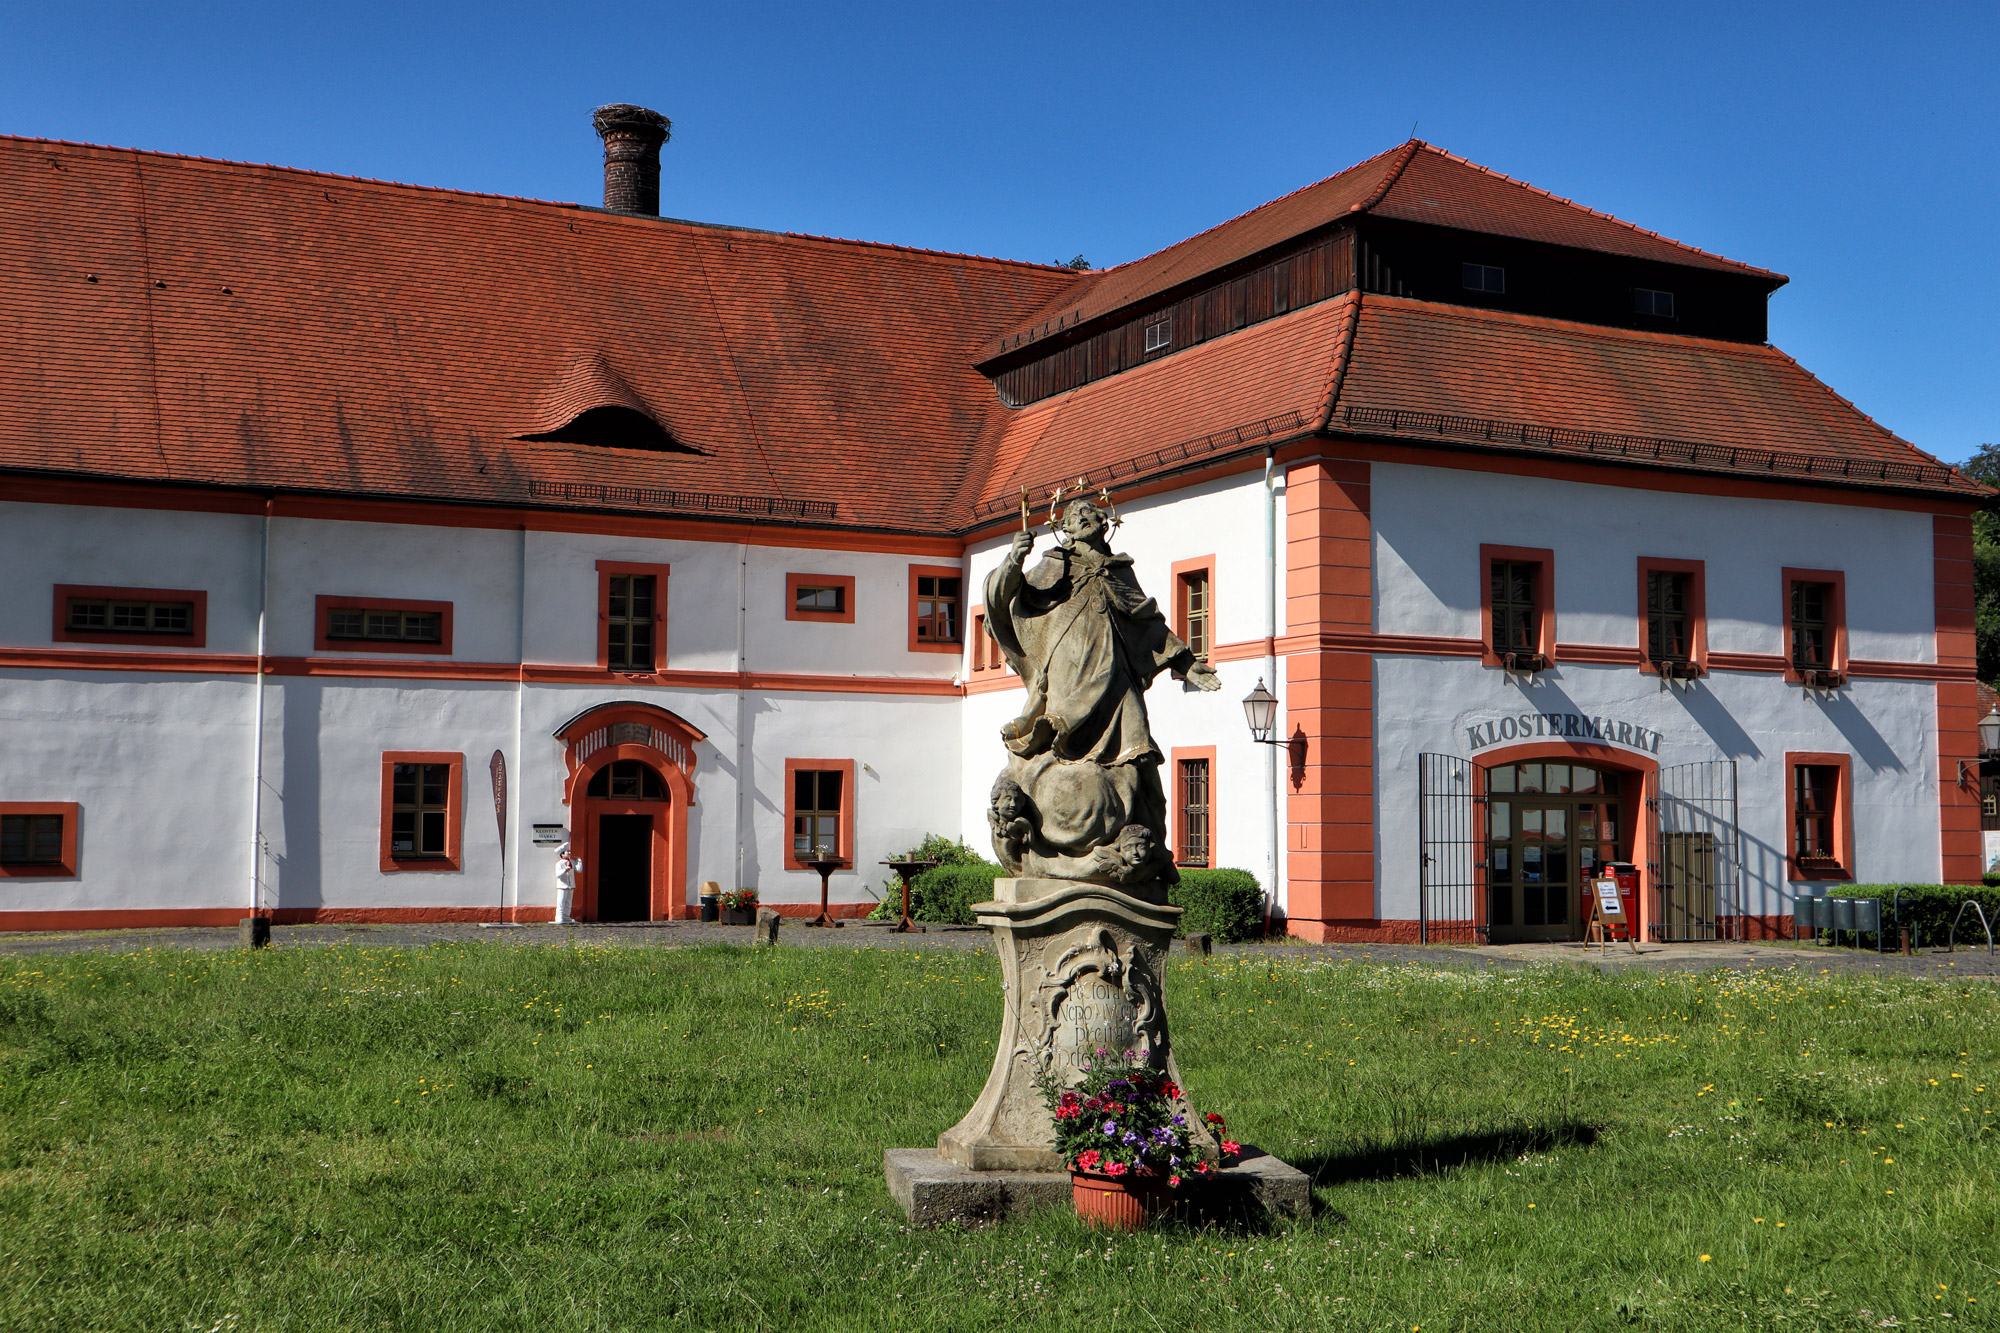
<point>403,864</point>
<point>37,870</point>
<point>1819,875</point>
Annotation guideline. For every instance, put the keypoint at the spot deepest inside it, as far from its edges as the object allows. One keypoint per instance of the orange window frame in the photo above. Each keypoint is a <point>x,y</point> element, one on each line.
<point>1843,817</point>
<point>845,767</point>
<point>605,570</point>
<point>844,582</point>
<point>197,637</point>
<point>324,606</point>
<point>65,867</point>
<point>1544,561</point>
<point>454,811</point>
<point>1696,571</point>
<point>1836,618</point>
<point>964,605</point>
<point>1205,566</point>
<point>1176,827</point>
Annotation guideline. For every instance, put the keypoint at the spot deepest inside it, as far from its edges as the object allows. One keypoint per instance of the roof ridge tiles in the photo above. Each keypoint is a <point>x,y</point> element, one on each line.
<point>1583,208</point>
<point>379,182</point>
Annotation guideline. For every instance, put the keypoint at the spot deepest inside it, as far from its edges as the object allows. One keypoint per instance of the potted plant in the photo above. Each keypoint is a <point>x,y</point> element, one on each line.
<point>1127,1149</point>
<point>739,907</point>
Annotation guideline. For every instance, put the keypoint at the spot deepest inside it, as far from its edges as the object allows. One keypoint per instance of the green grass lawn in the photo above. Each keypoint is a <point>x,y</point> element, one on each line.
<point>493,1137</point>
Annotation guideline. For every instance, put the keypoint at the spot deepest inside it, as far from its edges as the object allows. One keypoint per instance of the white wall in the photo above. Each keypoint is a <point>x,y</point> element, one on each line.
<point>1224,518</point>
<point>159,763</point>
<point>1430,522</point>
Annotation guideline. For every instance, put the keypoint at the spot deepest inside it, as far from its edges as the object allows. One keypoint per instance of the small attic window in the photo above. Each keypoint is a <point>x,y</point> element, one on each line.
<point>1485,278</point>
<point>1159,334</point>
<point>613,427</point>
<point>1646,301</point>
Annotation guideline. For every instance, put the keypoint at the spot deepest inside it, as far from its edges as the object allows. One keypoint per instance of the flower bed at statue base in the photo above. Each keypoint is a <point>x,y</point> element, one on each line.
<point>1127,1149</point>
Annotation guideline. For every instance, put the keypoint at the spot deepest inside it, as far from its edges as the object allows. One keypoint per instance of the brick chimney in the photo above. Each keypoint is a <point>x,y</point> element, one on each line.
<point>632,137</point>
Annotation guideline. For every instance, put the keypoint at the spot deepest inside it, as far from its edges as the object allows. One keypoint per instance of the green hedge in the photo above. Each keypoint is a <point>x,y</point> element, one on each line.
<point>1228,904</point>
<point>1929,908</point>
<point>944,894</point>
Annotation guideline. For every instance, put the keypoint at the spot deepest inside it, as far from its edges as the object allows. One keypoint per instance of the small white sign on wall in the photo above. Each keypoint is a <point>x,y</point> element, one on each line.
<point>550,835</point>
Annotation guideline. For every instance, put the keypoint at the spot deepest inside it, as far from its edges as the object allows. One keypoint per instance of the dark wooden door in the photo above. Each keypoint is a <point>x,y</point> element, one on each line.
<point>624,867</point>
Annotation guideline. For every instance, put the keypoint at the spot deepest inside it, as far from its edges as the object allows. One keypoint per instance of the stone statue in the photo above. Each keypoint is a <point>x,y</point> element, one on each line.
<point>1080,797</point>
<point>568,864</point>
<point>1079,820</point>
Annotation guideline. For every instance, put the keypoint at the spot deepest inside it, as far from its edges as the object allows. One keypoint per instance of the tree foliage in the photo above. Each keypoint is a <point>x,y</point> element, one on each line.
<point>1985,466</point>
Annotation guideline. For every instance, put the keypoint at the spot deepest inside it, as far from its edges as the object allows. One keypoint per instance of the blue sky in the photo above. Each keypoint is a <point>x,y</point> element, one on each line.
<point>1854,147</point>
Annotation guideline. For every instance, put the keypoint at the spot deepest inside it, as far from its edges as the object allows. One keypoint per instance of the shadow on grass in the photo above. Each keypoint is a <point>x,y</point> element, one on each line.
<point>1436,1156</point>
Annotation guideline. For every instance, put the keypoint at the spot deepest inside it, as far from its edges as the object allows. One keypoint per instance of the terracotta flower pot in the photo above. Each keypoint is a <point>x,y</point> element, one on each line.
<point>1121,1203</point>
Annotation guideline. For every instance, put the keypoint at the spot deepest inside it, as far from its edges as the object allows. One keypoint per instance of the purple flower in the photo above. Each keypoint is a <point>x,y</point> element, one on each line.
<point>1111,1128</point>
<point>1180,1120</point>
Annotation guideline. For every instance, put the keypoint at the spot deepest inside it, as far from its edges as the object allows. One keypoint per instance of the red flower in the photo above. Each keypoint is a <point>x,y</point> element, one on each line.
<point>1170,1091</point>
<point>1115,1168</point>
<point>1203,1168</point>
<point>1089,1158</point>
<point>1174,1181</point>
<point>1214,1119</point>
<point>1231,1149</point>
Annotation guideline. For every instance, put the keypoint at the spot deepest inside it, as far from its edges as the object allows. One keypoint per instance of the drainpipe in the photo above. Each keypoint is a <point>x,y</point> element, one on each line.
<point>510,864</point>
<point>257,723</point>
<point>1274,752</point>
<point>743,812</point>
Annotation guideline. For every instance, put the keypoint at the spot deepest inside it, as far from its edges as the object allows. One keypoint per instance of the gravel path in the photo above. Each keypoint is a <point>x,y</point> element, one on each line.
<point>679,934</point>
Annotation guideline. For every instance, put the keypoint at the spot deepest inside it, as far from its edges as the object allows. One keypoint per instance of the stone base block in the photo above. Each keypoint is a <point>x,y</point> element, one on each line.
<point>933,1191</point>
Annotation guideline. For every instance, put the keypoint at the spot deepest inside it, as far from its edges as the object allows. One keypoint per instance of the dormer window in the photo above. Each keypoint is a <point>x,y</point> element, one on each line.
<point>1160,334</point>
<point>613,427</point>
<point>1485,278</point>
<point>591,404</point>
<point>1646,301</point>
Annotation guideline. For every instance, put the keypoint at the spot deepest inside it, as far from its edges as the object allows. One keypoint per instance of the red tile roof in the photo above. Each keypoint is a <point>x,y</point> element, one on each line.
<point>1435,374</point>
<point>180,320</point>
<point>173,319</point>
<point>1415,182</point>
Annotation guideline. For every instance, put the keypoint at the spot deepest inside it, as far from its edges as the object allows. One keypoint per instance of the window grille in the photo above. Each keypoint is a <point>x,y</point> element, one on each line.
<point>31,839</point>
<point>1517,624</point>
<point>1194,799</point>
<point>125,617</point>
<point>1670,626</point>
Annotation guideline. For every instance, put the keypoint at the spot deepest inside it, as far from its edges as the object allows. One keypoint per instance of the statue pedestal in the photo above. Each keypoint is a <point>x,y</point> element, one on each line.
<point>1080,970</point>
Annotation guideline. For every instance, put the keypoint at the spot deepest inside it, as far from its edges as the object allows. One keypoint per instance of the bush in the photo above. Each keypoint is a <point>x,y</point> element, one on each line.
<point>1228,904</point>
<point>950,854</point>
<point>1929,908</point>
<point>946,893</point>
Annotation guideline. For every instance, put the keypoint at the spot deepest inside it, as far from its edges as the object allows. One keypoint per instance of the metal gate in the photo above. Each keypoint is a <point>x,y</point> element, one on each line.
<point>1697,852</point>
<point>1452,863</point>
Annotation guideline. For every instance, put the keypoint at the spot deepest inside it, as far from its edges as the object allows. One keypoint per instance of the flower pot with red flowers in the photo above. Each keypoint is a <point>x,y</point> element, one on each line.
<point>739,907</point>
<point>1129,1152</point>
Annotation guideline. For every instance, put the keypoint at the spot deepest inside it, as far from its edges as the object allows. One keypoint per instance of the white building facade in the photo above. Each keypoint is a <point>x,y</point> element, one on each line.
<point>1538,589</point>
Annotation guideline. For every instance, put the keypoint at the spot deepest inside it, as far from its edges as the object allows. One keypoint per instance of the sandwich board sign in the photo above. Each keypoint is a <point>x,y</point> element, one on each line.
<point>1607,909</point>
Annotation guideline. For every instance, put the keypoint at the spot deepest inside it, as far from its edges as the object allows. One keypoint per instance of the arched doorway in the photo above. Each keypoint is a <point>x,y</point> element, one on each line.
<point>626,807</point>
<point>1550,813</point>
<point>631,784</point>
<point>1549,825</point>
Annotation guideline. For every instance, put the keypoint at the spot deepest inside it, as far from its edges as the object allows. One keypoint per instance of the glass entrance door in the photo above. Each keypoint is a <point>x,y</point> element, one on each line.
<point>1548,826</point>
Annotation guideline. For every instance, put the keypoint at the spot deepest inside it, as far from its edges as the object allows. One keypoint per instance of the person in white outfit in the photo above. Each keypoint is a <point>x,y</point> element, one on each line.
<point>568,866</point>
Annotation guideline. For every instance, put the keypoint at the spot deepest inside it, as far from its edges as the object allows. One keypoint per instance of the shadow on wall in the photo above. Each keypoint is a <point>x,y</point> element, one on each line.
<point>1713,717</point>
<point>296,873</point>
<point>1868,743</point>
